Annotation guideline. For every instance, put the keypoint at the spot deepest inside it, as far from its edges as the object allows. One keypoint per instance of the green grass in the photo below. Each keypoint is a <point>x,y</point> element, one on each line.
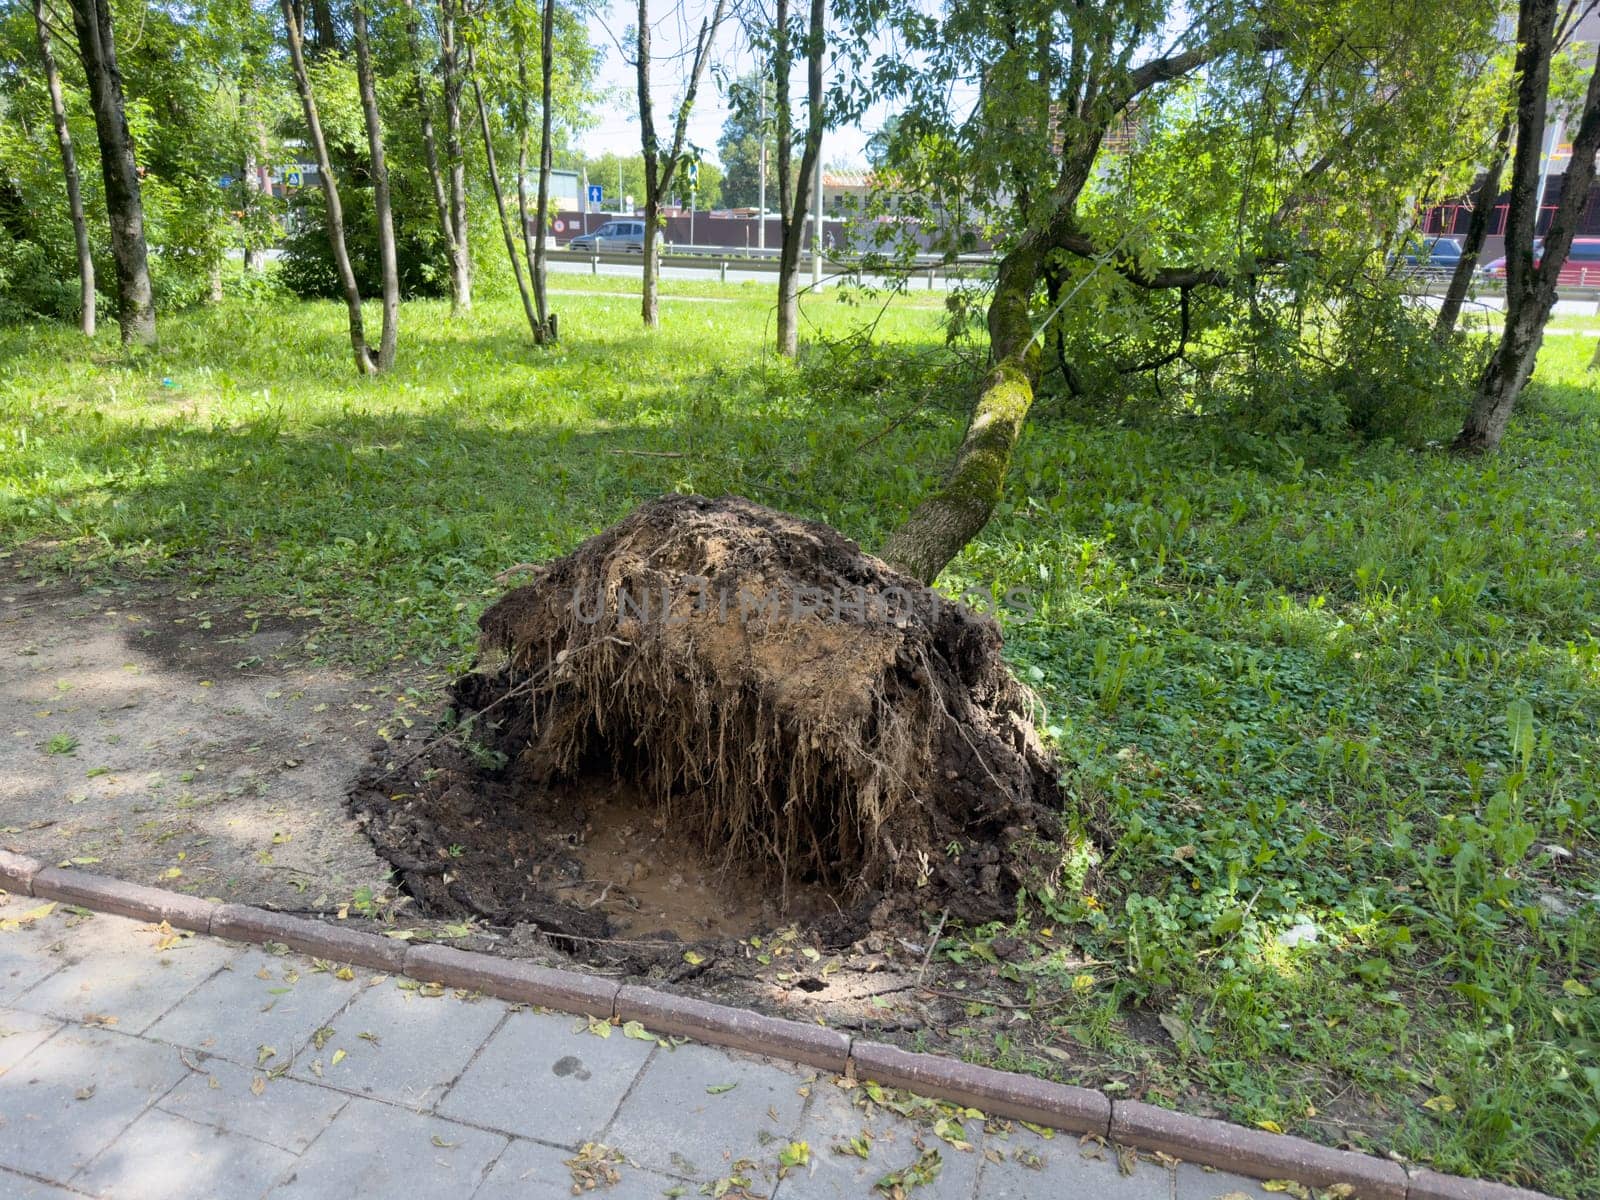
<point>1349,689</point>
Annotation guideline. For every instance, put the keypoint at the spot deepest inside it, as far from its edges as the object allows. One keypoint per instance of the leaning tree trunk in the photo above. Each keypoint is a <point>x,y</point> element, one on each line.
<point>1483,199</point>
<point>455,154</point>
<point>500,199</point>
<point>136,308</point>
<point>365,363</point>
<point>430,147</point>
<point>958,510</point>
<point>388,262</point>
<point>1530,290</point>
<point>69,168</point>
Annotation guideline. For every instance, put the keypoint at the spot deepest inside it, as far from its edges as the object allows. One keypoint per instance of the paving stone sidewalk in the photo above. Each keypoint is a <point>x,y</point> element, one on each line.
<point>141,1064</point>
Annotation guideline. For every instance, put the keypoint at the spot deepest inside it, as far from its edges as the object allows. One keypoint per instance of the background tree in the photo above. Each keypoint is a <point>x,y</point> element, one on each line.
<point>795,186</point>
<point>379,170</point>
<point>661,162</point>
<point>69,171</point>
<point>136,310</point>
<point>1531,286</point>
<point>743,135</point>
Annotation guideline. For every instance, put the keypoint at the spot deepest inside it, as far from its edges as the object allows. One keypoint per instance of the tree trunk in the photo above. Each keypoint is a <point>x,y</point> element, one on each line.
<point>136,309</point>
<point>388,262</point>
<point>500,199</point>
<point>69,168</point>
<point>658,167</point>
<point>795,199</point>
<point>455,155</point>
<point>541,266</point>
<point>330,191</point>
<point>430,148</point>
<point>953,515</point>
<point>1477,230</point>
<point>1530,290</point>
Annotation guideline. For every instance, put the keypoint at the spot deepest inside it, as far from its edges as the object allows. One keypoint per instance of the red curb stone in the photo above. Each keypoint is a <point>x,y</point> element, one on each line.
<point>513,979</point>
<point>1254,1152</point>
<point>1430,1185</point>
<point>999,1093</point>
<point>736,1028</point>
<point>17,872</point>
<point>124,899</point>
<point>318,938</point>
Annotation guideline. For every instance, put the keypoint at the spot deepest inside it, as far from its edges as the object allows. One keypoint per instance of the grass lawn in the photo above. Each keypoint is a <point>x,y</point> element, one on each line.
<point>1339,704</point>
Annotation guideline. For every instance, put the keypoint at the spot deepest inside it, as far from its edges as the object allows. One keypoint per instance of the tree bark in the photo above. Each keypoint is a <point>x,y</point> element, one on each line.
<point>430,148</point>
<point>500,198</point>
<point>795,198</point>
<point>958,510</point>
<point>1483,199</point>
<point>365,363</point>
<point>1530,290</point>
<point>69,168</point>
<point>658,168</point>
<point>547,63</point>
<point>136,310</point>
<point>455,154</point>
<point>388,262</point>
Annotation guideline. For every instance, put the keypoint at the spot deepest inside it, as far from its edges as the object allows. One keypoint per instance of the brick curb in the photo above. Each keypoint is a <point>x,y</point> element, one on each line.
<point>1198,1140</point>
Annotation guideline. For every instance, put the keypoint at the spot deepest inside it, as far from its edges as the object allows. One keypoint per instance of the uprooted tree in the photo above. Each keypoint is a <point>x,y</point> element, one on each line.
<point>1332,112</point>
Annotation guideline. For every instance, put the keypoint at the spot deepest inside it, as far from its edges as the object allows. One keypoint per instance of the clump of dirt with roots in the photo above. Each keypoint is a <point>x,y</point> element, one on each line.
<point>711,719</point>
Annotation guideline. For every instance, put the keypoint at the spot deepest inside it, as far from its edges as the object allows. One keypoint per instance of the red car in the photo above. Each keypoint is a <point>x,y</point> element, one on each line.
<point>1582,268</point>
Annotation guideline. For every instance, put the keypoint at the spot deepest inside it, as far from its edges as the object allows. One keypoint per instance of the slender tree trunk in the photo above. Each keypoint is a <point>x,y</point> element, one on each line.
<point>500,199</point>
<point>430,148</point>
<point>541,266</point>
<point>1530,290</point>
<point>330,191</point>
<point>69,168</point>
<point>658,167</point>
<point>795,199</point>
<point>1477,230</point>
<point>455,154</point>
<point>388,262</point>
<point>136,309</point>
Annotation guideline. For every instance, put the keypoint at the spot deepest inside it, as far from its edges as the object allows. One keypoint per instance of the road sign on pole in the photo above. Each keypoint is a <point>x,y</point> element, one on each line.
<point>597,193</point>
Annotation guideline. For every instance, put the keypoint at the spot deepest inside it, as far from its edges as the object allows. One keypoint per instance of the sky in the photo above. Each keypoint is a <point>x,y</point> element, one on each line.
<point>617,127</point>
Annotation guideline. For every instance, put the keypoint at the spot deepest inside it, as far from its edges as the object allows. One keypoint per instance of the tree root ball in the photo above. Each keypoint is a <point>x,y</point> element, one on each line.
<point>793,704</point>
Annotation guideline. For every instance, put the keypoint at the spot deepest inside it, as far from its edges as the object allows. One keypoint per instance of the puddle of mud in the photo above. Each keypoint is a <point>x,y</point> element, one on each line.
<point>647,878</point>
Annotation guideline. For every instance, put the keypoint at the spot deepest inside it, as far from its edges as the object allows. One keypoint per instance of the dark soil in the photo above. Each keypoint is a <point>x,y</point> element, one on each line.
<point>711,720</point>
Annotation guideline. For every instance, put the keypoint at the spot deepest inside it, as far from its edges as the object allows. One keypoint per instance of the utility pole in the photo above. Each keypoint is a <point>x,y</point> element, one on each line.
<point>761,201</point>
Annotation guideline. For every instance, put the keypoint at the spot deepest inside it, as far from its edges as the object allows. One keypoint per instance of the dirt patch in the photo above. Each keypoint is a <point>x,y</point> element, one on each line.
<point>150,733</point>
<point>741,704</point>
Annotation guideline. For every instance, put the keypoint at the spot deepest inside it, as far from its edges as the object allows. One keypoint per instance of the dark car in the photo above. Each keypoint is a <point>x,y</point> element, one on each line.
<point>1582,268</point>
<point>1436,253</point>
<point>624,234</point>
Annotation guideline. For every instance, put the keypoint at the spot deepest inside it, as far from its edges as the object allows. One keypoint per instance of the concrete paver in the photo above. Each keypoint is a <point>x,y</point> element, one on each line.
<point>284,1112</point>
<point>259,1001</point>
<point>111,966</point>
<point>161,1155</point>
<point>70,1098</point>
<point>531,1171</point>
<point>400,1045</point>
<point>578,1079</point>
<point>695,1111</point>
<point>379,1150</point>
<point>20,1032</point>
<point>449,1097</point>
